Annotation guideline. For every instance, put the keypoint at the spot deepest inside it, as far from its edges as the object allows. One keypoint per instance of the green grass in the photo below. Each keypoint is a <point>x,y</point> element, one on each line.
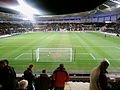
<point>88,49</point>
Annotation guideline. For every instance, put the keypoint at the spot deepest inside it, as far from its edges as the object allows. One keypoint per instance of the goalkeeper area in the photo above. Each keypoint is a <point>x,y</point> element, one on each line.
<point>79,51</point>
<point>54,55</point>
<point>47,55</point>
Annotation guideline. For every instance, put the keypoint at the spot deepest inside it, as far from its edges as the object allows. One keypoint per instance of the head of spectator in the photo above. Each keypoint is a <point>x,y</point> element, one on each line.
<point>23,84</point>
<point>44,71</point>
<point>61,65</point>
<point>60,68</point>
<point>104,64</point>
<point>2,64</point>
<point>6,62</point>
<point>31,66</point>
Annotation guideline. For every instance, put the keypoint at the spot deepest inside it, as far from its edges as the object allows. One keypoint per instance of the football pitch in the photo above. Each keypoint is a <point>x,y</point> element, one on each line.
<point>88,49</point>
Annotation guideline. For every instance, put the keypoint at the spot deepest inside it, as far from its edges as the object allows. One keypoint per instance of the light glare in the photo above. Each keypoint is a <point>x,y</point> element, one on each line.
<point>25,9</point>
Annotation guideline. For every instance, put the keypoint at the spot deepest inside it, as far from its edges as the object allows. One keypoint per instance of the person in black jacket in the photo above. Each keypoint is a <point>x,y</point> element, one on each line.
<point>8,74</point>
<point>42,82</point>
<point>28,75</point>
<point>1,78</point>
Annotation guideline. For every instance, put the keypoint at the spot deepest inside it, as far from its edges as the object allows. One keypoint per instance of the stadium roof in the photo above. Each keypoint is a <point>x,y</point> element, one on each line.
<point>108,7</point>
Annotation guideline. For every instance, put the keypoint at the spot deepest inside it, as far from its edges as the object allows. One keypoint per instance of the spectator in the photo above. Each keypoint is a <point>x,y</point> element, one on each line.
<point>117,35</point>
<point>1,78</point>
<point>8,77</point>
<point>42,82</point>
<point>98,79</point>
<point>60,76</point>
<point>28,75</point>
<point>23,85</point>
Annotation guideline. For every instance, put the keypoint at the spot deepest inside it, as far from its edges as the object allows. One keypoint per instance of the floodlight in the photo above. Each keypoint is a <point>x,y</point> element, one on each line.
<point>26,9</point>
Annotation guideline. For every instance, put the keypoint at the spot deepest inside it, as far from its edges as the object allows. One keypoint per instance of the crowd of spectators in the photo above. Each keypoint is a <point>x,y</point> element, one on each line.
<point>13,28</point>
<point>29,81</point>
<point>111,28</point>
<point>70,27</point>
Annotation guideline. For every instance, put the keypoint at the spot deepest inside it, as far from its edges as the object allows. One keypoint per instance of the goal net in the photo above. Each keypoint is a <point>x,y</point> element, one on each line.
<point>53,54</point>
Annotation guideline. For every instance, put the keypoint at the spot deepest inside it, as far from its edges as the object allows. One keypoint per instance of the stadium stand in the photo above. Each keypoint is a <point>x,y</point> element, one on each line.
<point>14,28</point>
<point>90,21</point>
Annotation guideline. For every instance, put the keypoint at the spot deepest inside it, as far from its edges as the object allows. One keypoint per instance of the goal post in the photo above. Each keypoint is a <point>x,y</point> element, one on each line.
<point>37,55</point>
<point>53,55</point>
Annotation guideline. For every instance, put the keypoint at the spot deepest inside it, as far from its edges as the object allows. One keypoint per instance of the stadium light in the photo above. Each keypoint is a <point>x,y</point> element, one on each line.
<point>118,6</point>
<point>26,9</point>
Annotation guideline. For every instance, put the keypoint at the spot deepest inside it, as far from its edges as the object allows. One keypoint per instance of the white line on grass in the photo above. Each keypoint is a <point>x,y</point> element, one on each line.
<point>82,53</point>
<point>92,56</point>
<point>93,46</point>
<point>117,47</point>
<point>88,54</point>
<point>19,56</point>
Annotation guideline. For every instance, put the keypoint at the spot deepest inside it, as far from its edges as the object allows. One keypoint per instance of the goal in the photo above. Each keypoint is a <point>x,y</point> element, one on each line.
<point>53,54</point>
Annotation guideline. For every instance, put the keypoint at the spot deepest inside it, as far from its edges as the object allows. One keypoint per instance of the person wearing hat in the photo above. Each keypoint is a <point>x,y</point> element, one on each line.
<point>98,78</point>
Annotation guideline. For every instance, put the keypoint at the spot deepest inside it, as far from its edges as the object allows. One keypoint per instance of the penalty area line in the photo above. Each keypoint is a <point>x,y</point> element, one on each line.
<point>117,47</point>
<point>19,56</point>
<point>92,56</point>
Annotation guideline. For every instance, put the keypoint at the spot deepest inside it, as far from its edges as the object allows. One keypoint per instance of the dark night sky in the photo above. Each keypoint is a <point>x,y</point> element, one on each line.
<point>57,7</point>
<point>67,6</point>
